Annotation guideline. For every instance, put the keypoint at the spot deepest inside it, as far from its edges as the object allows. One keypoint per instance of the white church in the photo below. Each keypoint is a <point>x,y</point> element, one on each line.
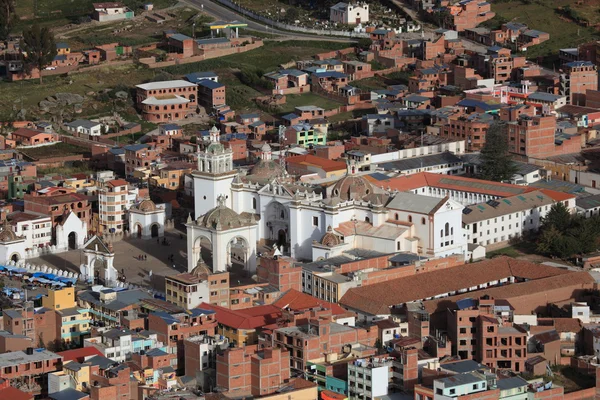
<point>309,222</point>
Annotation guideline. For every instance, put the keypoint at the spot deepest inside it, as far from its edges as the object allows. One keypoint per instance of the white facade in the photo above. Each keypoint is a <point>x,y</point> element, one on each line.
<point>85,127</point>
<point>147,220</point>
<point>214,175</point>
<point>72,225</point>
<point>349,14</point>
<point>457,148</point>
<point>37,231</point>
<point>501,228</point>
<point>119,347</point>
<point>369,379</point>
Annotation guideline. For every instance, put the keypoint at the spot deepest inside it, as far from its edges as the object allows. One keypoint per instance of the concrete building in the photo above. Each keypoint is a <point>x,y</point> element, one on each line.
<point>119,344</point>
<point>111,11</point>
<point>114,199</point>
<point>369,379</point>
<point>201,352</point>
<point>86,127</point>
<point>35,228</point>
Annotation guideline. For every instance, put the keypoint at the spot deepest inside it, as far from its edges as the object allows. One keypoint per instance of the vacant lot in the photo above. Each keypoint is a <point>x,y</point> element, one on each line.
<point>139,31</point>
<point>55,150</point>
<point>308,99</point>
<point>32,9</point>
<point>542,15</point>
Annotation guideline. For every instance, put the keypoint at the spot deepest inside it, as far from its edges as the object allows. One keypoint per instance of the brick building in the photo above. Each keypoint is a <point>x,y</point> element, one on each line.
<point>253,370</point>
<point>31,365</point>
<point>173,329</point>
<point>211,94</point>
<point>167,100</point>
<point>578,77</point>
<point>319,336</point>
<point>238,147</point>
<point>139,155</point>
<point>279,272</point>
<point>28,137</point>
<point>536,137</point>
<point>471,128</point>
<point>468,14</point>
<point>483,330</point>
<point>56,206</point>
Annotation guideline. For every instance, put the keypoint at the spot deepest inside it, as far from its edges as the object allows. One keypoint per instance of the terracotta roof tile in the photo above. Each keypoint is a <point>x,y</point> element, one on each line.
<point>299,301</point>
<point>249,318</point>
<point>508,292</point>
<point>14,394</point>
<point>79,355</point>
<point>378,298</point>
<point>324,163</point>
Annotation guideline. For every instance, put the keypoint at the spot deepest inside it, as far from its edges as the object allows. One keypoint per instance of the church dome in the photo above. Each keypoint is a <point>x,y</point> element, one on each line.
<point>352,187</point>
<point>222,217</point>
<point>147,206</point>
<point>267,169</point>
<point>330,239</point>
<point>7,235</point>
<point>215,148</point>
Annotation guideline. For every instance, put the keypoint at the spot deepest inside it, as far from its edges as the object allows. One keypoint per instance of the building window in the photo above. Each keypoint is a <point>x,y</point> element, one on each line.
<point>254,204</point>
<point>315,221</point>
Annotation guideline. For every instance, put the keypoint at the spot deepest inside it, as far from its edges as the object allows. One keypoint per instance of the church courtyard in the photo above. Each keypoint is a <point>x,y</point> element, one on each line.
<point>126,259</point>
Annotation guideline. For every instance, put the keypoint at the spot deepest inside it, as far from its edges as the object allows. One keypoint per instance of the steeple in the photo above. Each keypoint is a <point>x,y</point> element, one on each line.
<point>215,134</point>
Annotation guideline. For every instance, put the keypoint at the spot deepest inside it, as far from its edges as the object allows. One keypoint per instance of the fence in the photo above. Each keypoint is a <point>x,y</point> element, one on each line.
<point>293,28</point>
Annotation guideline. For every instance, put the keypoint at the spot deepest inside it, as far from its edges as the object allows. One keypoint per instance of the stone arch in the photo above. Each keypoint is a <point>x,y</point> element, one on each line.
<point>238,249</point>
<point>155,230</point>
<point>203,249</point>
<point>15,257</point>
<point>72,240</point>
<point>138,229</point>
<point>277,219</point>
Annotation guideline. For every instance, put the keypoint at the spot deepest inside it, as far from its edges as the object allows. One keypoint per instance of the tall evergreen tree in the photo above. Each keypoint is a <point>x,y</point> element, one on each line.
<point>39,47</point>
<point>7,17</point>
<point>496,163</point>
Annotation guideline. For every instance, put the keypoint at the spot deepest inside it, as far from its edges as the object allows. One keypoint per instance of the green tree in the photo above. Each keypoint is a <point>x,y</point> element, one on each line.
<point>496,164</point>
<point>39,47</point>
<point>7,17</point>
<point>558,218</point>
<point>364,43</point>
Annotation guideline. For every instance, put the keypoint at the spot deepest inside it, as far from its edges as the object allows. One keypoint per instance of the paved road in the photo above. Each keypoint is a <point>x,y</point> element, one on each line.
<point>226,14</point>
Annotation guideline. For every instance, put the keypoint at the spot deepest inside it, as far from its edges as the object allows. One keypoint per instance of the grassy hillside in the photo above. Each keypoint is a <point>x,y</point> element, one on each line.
<point>545,15</point>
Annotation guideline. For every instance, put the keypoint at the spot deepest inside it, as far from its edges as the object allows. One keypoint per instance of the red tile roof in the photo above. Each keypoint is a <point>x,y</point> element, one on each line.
<point>324,163</point>
<point>516,290</point>
<point>378,298</point>
<point>27,133</point>
<point>79,355</point>
<point>117,182</point>
<point>460,183</point>
<point>13,393</point>
<point>298,301</point>
<point>248,318</point>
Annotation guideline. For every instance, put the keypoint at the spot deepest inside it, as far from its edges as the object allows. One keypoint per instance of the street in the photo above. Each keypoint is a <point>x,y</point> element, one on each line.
<point>225,14</point>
